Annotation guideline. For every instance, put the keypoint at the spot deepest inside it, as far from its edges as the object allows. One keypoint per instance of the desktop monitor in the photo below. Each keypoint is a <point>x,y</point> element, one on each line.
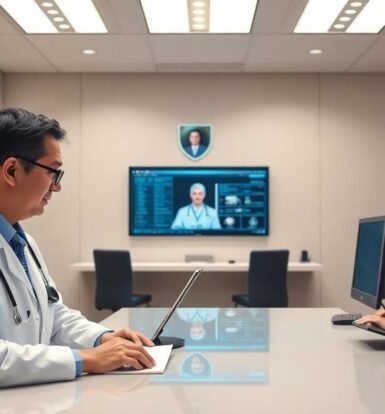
<point>369,266</point>
<point>183,201</point>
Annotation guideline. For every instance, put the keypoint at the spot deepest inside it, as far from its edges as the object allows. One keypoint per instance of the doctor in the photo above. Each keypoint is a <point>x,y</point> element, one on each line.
<point>41,340</point>
<point>197,215</point>
<point>195,149</point>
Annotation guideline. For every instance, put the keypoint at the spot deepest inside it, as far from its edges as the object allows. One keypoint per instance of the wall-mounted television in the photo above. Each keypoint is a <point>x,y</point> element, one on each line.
<point>198,201</point>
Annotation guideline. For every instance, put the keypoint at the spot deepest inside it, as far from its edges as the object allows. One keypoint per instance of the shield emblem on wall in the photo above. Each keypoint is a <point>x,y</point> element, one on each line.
<point>195,140</point>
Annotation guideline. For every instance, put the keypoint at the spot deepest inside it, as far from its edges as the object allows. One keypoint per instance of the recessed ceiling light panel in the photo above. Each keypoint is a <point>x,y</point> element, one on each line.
<point>371,18</point>
<point>319,15</point>
<point>28,15</point>
<point>36,16</point>
<point>325,16</point>
<point>166,16</point>
<point>232,16</point>
<point>175,16</point>
<point>82,15</point>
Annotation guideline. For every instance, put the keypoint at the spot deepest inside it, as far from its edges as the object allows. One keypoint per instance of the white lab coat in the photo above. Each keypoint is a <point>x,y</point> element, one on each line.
<point>187,219</point>
<point>37,351</point>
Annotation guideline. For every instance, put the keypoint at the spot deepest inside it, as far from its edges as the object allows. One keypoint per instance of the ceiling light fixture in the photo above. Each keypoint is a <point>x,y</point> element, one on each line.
<point>322,16</point>
<point>371,18</point>
<point>33,17</point>
<point>316,51</point>
<point>199,11</point>
<point>82,15</point>
<point>175,16</point>
<point>199,15</point>
<point>89,51</point>
<point>28,16</point>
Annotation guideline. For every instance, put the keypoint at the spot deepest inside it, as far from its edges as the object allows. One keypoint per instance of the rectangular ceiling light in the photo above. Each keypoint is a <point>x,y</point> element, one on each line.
<point>342,16</point>
<point>232,16</point>
<point>82,15</point>
<point>319,16</point>
<point>55,16</point>
<point>28,16</point>
<point>166,16</point>
<point>370,20</point>
<point>199,16</point>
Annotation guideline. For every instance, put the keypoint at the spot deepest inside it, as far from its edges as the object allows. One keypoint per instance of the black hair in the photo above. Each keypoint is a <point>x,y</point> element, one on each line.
<point>22,134</point>
<point>195,130</point>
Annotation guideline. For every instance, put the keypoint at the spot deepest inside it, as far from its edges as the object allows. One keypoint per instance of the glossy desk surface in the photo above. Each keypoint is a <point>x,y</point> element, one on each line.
<point>289,361</point>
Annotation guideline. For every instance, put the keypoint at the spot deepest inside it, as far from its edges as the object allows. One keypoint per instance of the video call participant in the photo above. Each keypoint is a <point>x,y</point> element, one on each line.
<point>41,339</point>
<point>195,149</point>
<point>197,215</point>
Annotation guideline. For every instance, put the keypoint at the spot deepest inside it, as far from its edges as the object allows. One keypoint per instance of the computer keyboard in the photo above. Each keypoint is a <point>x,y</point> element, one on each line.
<point>345,318</point>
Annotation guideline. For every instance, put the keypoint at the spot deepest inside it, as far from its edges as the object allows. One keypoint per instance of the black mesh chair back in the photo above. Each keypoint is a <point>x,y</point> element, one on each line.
<point>114,281</point>
<point>267,280</point>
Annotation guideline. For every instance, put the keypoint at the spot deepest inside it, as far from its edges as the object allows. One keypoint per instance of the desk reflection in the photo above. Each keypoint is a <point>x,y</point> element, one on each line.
<point>211,329</point>
<point>215,338</point>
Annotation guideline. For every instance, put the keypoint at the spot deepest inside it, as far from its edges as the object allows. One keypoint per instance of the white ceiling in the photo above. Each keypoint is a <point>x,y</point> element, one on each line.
<point>271,47</point>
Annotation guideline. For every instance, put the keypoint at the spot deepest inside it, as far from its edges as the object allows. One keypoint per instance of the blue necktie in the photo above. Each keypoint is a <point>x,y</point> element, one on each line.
<point>18,244</point>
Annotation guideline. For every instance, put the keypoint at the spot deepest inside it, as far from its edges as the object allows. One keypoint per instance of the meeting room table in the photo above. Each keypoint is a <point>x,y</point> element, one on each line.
<point>235,360</point>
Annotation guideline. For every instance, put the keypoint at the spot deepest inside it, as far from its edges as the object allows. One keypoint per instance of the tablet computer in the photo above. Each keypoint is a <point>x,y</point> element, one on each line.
<point>167,340</point>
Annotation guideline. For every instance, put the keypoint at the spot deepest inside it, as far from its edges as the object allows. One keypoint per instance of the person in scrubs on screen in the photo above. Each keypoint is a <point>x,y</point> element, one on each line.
<point>197,215</point>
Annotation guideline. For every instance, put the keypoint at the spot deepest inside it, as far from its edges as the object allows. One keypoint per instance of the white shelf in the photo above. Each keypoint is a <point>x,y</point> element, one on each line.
<point>307,267</point>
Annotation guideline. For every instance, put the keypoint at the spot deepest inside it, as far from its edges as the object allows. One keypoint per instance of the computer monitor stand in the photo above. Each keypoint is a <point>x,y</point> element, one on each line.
<point>169,340</point>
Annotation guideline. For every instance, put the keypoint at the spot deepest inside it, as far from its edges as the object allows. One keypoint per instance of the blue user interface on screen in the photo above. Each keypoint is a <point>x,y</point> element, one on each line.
<point>213,338</point>
<point>368,257</point>
<point>208,200</point>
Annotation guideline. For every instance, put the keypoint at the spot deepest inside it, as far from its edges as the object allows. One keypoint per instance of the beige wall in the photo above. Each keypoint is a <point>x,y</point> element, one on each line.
<point>320,136</point>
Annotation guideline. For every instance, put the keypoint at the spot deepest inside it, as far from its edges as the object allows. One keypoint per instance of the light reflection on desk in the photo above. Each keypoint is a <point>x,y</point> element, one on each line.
<point>211,329</point>
<point>207,333</point>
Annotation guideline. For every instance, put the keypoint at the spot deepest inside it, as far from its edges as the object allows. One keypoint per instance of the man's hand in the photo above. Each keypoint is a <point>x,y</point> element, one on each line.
<point>128,334</point>
<point>380,312</point>
<point>375,319</point>
<point>114,353</point>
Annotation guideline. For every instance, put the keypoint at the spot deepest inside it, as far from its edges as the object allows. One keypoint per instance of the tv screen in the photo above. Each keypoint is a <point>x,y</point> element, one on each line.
<point>199,201</point>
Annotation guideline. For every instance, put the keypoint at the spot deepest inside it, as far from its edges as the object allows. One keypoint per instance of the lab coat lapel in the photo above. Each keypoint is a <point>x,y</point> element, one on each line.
<point>39,286</point>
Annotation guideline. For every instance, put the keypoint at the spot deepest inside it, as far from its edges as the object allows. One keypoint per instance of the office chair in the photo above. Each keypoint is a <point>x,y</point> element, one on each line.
<point>267,280</point>
<point>114,281</point>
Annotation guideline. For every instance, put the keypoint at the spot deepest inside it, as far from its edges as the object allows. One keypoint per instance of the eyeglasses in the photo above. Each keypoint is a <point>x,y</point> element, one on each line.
<point>57,175</point>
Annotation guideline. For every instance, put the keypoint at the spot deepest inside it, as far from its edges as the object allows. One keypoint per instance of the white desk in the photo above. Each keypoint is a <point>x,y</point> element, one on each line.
<point>308,366</point>
<point>307,267</point>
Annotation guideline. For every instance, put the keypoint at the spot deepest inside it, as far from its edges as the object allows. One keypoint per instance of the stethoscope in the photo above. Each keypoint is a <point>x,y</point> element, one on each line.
<point>52,293</point>
<point>197,217</point>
